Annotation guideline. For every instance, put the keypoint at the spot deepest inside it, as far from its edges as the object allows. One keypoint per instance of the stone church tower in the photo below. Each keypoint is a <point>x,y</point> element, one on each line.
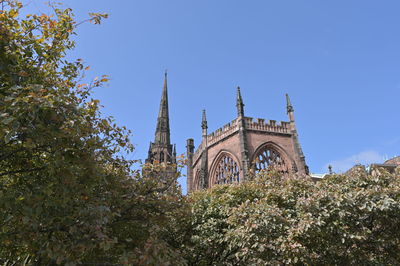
<point>244,146</point>
<point>161,150</point>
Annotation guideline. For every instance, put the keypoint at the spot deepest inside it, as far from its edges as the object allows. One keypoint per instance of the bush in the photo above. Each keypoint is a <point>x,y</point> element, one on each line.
<point>342,219</point>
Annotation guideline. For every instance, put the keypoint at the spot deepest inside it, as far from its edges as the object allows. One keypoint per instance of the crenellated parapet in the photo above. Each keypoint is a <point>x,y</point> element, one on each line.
<point>222,133</point>
<point>271,126</point>
<point>259,124</point>
<point>216,136</point>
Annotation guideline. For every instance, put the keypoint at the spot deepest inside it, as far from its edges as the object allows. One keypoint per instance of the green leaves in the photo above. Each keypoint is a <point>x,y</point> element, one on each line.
<point>272,220</point>
<point>60,176</point>
<point>67,195</point>
<point>96,18</point>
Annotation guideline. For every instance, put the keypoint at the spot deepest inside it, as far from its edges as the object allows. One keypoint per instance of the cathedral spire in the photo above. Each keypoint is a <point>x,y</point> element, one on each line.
<point>162,130</point>
<point>239,103</point>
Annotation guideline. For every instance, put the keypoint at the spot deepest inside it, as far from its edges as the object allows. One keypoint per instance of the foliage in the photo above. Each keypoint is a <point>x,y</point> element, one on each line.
<point>146,211</point>
<point>67,195</point>
<point>273,220</point>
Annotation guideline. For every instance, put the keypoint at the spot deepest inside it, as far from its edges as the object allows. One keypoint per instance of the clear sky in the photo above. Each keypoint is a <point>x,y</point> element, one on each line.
<point>338,60</point>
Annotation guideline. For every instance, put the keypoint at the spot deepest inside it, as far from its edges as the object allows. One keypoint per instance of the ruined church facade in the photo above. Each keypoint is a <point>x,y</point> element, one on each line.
<point>243,147</point>
<point>233,152</point>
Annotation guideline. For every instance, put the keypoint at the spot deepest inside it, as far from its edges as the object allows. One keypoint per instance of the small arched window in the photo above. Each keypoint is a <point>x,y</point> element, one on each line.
<point>161,157</point>
<point>226,170</point>
<point>270,159</point>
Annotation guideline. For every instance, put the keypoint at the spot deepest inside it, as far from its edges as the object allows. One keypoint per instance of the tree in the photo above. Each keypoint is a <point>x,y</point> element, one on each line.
<point>67,195</point>
<point>345,220</point>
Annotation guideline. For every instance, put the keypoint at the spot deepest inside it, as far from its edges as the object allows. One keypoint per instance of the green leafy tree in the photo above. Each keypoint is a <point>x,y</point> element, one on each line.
<point>67,195</point>
<point>341,220</point>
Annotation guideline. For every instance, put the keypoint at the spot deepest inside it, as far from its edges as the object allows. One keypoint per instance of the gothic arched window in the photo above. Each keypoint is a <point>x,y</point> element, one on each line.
<point>268,158</point>
<point>161,157</point>
<point>226,171</point>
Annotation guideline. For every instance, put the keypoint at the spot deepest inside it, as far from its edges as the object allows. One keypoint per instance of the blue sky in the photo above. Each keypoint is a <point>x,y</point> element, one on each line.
<point>338,60</point>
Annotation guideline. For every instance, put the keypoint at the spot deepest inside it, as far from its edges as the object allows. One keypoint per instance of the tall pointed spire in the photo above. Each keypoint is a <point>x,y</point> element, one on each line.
<point>239,103</point>
<point>162,130</point>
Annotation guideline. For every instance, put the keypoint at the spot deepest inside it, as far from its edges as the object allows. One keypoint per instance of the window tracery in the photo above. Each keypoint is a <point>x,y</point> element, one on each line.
<point>268,159</point>
<point>226,171</point>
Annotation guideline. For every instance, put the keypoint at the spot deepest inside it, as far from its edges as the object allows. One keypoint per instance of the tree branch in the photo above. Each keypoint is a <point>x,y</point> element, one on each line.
<point>22,171</point>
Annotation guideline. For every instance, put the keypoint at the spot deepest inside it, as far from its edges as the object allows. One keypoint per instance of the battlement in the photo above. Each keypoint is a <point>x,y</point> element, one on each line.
<point>216,136</point>
<point>271,126</point>
<point>222,132</point>
<point>233,126</point>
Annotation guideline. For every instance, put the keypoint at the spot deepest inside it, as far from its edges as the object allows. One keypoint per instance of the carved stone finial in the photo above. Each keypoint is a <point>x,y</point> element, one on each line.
<point>204,120</point>
<point>239,103</point>
<point>289,106</point>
